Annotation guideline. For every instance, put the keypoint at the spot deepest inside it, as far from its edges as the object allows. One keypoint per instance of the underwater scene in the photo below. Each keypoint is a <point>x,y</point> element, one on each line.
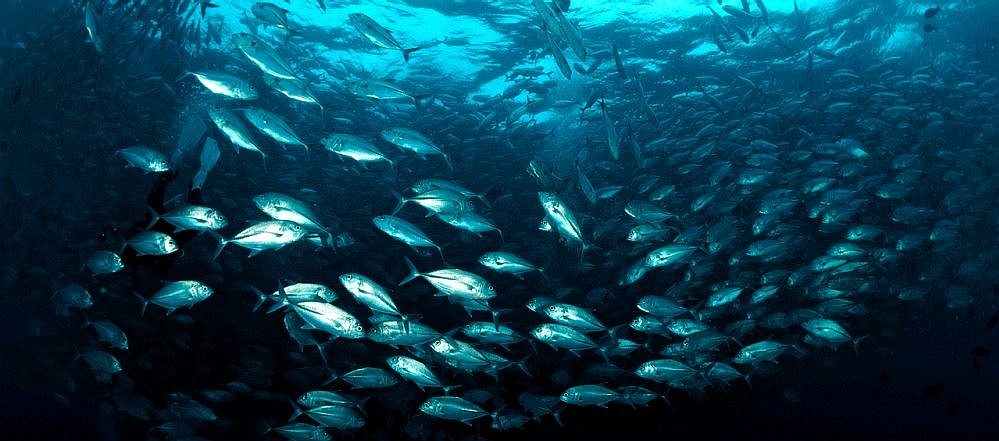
<point>499,220</point>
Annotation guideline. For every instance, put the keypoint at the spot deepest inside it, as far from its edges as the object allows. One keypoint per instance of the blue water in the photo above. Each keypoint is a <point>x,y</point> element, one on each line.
<point>890,104</point>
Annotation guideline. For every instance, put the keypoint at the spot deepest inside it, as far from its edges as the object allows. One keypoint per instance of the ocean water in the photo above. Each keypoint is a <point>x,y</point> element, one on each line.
<point>804,188</point>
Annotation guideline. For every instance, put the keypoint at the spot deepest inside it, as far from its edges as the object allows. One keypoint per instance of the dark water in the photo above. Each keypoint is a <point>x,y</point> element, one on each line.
<point>916,93</point>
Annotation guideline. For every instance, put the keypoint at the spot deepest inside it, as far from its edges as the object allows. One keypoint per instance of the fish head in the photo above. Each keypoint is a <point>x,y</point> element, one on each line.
<point>293,229</point>
<point>428,407</point>
<point>543,333</point>
<point>168,244</point>
<point>357,88</point>
<point>634,235</point>
<point>333,143</point>
<point>355,330</point>
<point>354,282</point>
<point>645,370</point>
<point>421,186</point>
<point>545,225</point>
<point>266,202</point>
<point>489,260</point>
<point>442,345</point>
<point>244,41</point>
<point>357,19</point>
<point>547,198</point>
<point>201,291</point>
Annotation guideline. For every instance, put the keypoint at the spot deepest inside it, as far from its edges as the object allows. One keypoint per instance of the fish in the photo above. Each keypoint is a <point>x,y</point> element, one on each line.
<point>509,263</point>
<point>613,143</point>
<point>282,207</point>
<point>227,85</point>
<point>405,232</point>
<point>191,217</point>
<point>563,219</point>
<point>328,318</point>
<point>294,88</point>
<point>931,12</point>
<point>560,61</point>
<point>739,13</point>
<point>151,243</point>
<point>453,282</point>
<point>370,294</point>
<point>589,395</point>
<point>104,262</point>
<point>91,26</point>
<point>295,293</point>
<point>378,35</point>
<point>356,148</point>
<point>274,126</point>
<point>209,157</point>
<point>415,371</point>
<point>176,295</point>
<point>261,236</point>
<point>409,139</point>
<point>234,129</point>
<point>145,158</point>
<point>271,14</point>
<point>452,408</point>
<point>264,56</point>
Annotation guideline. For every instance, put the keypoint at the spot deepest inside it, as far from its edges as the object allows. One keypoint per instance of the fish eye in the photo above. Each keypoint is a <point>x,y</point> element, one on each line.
<point>349,277</point>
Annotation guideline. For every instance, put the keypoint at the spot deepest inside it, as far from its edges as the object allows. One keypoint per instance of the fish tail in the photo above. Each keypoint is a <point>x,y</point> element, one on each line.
<point>413,272</point>
<point>155,217</point>
<point>267,427</point>
<point>441,252</point>
<point>856,344</point>
<point>297,410</point>
<point>392,166</point>
<point>333,377</point>
<point>406,52</point>
<point>322,351</point>
<point>145,303</point>
<point>447,159</point>
<point>482,197</point>
<point>282,298</point>
<point>261,298</point>
<point>402,201</point>
<point>222,243</point>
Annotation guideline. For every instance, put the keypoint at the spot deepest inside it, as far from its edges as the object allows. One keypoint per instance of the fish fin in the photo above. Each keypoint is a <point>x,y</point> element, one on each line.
<point>413,272</point>
<point>254,253</point>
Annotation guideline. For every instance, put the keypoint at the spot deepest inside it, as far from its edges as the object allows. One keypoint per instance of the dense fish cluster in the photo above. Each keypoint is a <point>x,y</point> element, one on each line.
<point>329,251</point>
